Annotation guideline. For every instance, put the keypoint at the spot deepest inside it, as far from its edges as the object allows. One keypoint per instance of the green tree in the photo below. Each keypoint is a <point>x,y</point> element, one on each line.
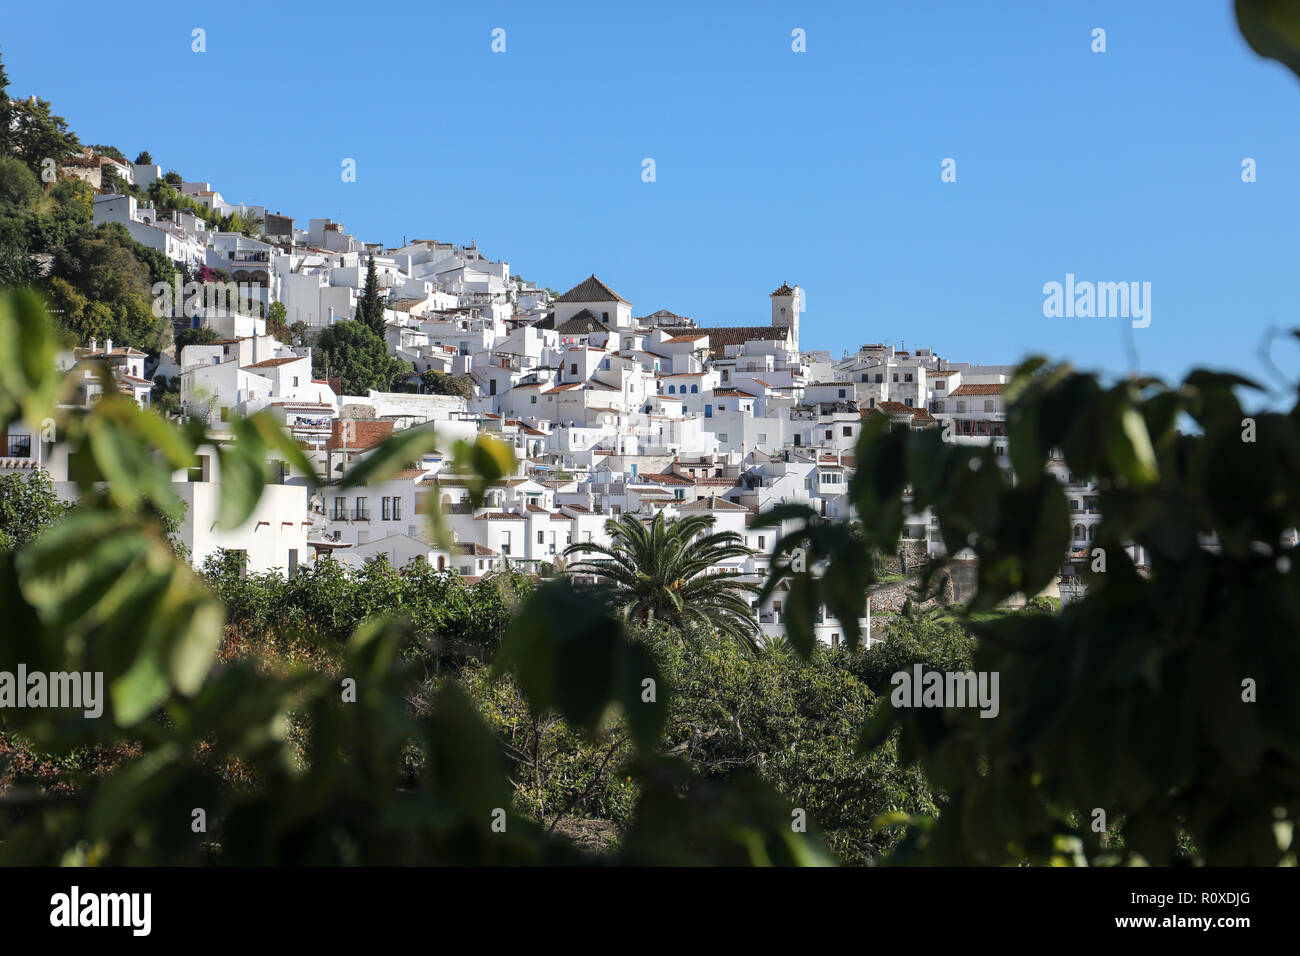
<point>203,335</point>
<point>37,134</point>
<point>19,187</point>
<point>351,352</point>
<point>440,383</point>
<point>5,110</point>
<point>144,159</point>
<point>370,306</point>
<point>666,571</point>
<point>795,722</point>
<point>28,505</point>
<point>112,277</point>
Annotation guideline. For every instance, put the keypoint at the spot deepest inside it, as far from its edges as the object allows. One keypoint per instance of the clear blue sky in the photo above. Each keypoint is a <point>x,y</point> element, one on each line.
<point>820,168</point>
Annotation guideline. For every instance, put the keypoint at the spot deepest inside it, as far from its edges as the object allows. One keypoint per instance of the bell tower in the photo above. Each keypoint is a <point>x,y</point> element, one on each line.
<point>787,302</point>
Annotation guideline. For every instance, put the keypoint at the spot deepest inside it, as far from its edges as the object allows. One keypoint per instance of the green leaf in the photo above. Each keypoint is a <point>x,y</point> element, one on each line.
<point>1272,28</point>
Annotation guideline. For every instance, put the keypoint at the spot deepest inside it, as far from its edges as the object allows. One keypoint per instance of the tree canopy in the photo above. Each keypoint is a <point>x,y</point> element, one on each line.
<point>352,353</point>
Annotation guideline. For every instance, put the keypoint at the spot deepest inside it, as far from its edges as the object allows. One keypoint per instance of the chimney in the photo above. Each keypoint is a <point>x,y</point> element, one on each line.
<point>108,346</point>
<point>94,344</point>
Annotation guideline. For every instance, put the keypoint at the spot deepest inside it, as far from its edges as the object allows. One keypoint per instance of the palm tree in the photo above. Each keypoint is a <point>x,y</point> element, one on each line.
<point>666,570</point>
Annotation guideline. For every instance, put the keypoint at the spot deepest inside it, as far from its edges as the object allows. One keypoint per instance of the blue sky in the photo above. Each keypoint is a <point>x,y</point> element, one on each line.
<point>819,168</point>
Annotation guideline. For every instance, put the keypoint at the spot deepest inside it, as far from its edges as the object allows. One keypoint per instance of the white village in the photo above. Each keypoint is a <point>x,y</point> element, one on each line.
<point>608,412</point>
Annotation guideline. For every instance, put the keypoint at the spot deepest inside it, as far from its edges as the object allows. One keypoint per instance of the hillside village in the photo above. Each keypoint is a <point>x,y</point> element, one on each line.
<point>609,412</point>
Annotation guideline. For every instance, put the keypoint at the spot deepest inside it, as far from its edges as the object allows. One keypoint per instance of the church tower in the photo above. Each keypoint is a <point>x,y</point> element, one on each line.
<point>787,302</point>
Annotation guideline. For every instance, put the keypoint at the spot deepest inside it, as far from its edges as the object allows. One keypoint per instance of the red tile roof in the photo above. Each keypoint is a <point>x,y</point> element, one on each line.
<point>363,434</point>
<point>978,390</point>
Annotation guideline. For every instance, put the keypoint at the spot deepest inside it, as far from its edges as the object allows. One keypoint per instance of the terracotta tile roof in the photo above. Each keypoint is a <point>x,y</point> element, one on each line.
<point>274,363</point>
<point>667,478</point>
<point>364,434</point>
<point>722,336</point>
<point>894,408</point>
<point>713,504</point>
<point>730,393</point>
<point>476,549</point>
<point>978,390</point>
<point>592,290</point>
<point>582,324</point>
<point>692,337</point>
<point>784,290</point>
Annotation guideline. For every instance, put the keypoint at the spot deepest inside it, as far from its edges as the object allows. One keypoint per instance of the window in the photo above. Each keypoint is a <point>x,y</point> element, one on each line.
<point>907,377</point>
<point>573,368</point>
<point>708,411</point>
<point>387,509</point>
<point>938,406</point>
<point>988,405</point>
<point>829,433</point>
<point>848,431</point>
<point>532,400</point>
<point>397,509</point>
<point>961,407</point>
<point>295,381</point>
<point>841,391</point>
<point>672,389</point>
<point>895,376</point>
<point>541,537</point>
<point>762,438</point>
<point>879,378</point>
<point>939,385</point>
<point>762,542</point>
<point>340,509</point>
<point>722,437</point>
<point>362,509</point>
<point>293,560</point>
<point>694,389</point>
<point>17,446</point>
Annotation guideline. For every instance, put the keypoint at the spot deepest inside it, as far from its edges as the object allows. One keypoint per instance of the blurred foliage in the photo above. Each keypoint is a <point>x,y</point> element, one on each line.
<point>1136,699</point>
